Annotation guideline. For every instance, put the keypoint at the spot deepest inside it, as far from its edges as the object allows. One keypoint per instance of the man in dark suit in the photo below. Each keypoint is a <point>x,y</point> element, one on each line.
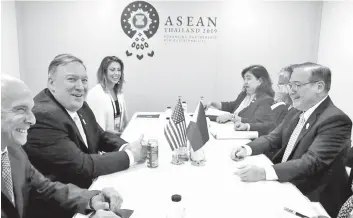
<point>20,181</point>
<point>65,142</point>
<point>312,142</point>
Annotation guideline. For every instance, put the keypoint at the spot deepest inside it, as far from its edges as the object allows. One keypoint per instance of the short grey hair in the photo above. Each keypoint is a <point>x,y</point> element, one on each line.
<point>318,72</point>
<point>62,60</point>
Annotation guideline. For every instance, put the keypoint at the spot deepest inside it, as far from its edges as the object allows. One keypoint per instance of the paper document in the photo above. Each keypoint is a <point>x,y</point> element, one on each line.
<point>148,116</point>
<point>226,131</point>
<point>214,112</point>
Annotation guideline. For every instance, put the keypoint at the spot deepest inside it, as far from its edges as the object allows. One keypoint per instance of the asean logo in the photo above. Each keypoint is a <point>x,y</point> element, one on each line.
<point>140,22</point>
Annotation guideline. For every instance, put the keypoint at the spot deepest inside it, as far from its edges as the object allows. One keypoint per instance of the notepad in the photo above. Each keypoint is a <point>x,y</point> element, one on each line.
<point>148,116</point>
<point>226,131</point>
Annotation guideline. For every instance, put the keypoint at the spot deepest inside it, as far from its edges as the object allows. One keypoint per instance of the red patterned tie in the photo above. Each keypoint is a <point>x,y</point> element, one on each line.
<point>6,174</point>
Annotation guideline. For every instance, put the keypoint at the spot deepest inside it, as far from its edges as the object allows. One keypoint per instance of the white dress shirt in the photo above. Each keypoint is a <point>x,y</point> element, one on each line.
<point>269,170</point>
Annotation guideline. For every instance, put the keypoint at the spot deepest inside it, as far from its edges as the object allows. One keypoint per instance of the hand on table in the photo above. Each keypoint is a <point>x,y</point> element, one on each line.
<point>238,153</point>
<point>224,118</point>
<point>235,118</point>
<point>108,199</point>
<point>239,126</point>
<point>139,151</point>
<point>251,173</point>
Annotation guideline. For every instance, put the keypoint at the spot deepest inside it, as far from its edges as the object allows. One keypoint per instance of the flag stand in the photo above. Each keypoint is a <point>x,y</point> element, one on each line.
<point>176,160</point>
<point>197,157</point>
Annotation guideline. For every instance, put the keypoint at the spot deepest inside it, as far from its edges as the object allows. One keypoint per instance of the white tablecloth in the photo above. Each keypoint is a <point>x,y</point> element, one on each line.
<point>207,191</point>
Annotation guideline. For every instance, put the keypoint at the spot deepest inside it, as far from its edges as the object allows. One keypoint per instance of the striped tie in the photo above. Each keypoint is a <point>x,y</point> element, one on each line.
<point>293,138</point>
<point>6,175</point>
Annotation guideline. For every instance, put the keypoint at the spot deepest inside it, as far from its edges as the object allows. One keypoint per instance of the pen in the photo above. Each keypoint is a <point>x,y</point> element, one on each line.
<point>295,213</point>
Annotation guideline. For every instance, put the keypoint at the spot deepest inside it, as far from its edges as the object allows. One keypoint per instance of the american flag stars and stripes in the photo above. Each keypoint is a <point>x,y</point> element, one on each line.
<point>175,129</point>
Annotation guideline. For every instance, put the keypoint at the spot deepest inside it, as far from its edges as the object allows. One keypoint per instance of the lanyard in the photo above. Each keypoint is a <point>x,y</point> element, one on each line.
<point>114,107</point>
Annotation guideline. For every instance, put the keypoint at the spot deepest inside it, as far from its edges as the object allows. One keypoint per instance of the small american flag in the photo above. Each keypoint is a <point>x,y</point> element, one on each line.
<point>175,130</point>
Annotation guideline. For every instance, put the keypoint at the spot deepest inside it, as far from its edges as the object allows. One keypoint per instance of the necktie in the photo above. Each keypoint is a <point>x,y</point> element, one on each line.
<point>80,128</point>
<point>293,138</point>
<point>6,175</point>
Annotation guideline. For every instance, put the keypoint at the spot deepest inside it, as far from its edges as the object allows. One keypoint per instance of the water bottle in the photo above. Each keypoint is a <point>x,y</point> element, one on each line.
<point>176,208</point>
<point>168,112</point>
<point>185,107</point>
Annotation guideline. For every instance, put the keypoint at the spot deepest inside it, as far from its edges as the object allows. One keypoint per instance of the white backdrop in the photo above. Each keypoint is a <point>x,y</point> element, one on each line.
<point>273,34</point>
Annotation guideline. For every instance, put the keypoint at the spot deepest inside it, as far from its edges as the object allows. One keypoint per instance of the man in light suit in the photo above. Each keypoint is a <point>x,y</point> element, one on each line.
<point>312,142</point>
<point>19,178</point>
<point>65,142</point>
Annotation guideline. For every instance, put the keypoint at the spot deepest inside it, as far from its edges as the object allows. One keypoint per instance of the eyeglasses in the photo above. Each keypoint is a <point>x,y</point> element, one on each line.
<point>295,85</point>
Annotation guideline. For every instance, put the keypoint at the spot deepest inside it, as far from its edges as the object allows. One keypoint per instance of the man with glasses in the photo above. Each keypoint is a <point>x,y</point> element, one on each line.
<point>312,142</point>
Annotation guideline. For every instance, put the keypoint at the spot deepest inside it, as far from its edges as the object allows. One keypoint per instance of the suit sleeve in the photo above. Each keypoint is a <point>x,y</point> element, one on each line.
<point>68,197</point>
<point>333,136</point>
<point>231,106</point>
<point>275,118</point>
<point>268,142</point>
<point>262,114</point>
<point>49,147</point>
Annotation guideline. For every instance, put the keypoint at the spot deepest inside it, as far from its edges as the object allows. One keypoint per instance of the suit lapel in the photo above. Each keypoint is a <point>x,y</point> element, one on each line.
<point>77,132</point>
<point>82,116</point>
<point>73,124</point>
<point>306,128</point>
<point>309,123</point>
<point>18,178</point>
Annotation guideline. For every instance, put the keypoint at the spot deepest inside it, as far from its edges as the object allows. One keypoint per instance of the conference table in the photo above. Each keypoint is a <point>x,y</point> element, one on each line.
<point>212,190</point>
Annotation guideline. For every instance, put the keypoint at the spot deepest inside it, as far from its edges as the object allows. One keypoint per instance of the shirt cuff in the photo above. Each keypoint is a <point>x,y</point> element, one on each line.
<point>123,146</point>
<point>248,150</point>
<point>131,157</point>
<point>247,126</point>
<point>270,173</point>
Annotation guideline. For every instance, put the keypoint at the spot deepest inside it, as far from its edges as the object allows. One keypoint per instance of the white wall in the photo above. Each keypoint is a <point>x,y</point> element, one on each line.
<point>9,42</point>
<point>273,34</point>
<point>336,51</point>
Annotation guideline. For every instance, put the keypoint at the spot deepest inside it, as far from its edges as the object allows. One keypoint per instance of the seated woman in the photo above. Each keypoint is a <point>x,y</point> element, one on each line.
<point>106,99</point>
<point>253,104</point>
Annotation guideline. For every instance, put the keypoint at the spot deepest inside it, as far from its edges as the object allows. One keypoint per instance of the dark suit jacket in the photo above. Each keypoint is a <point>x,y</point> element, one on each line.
<point>258,114</point>
<point>316,164</point>
<point>56,149</point>
<point>28,182</point>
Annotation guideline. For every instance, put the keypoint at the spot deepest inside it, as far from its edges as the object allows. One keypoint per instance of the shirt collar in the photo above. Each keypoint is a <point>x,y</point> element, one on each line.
<point>72,114</point>
<point>4,151</point>
<point>308,112</point>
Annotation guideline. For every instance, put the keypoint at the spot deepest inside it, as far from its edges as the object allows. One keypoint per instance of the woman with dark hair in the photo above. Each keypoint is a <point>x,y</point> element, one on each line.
<point>253,104</point>
<point>106,99</point>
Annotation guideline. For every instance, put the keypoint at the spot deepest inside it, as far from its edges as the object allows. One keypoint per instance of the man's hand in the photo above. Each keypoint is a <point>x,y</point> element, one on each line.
<point>251,173</point>
<point>139,151</point>
<point>238,153</point>
<point>224,118</point>
<point>104,214</point>
<point>239,126</point>
<point>235,118</point>
<point>108,199</point>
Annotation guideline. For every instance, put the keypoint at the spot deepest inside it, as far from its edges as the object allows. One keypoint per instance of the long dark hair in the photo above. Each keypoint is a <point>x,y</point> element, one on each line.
<point>260,72</point>
<point>102,73</point>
